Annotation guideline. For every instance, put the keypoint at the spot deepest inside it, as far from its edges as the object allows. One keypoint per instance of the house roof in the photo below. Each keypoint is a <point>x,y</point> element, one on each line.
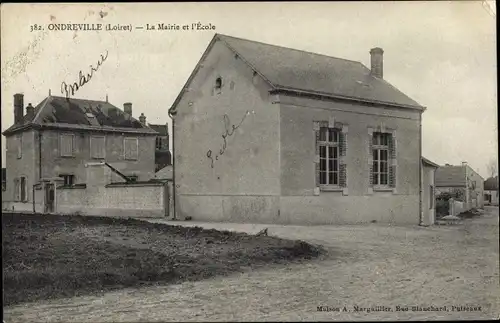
<point>429,163</point>
<point>450,176</point>
<point>165,173</point>
<point>162,129</point>
<point>491,184</point>
<point>287,69</point>
<point>81,114</point>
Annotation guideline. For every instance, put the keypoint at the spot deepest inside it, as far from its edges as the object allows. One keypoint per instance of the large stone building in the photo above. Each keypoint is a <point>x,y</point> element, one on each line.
<point>54,140</point>
<point>269,134</point>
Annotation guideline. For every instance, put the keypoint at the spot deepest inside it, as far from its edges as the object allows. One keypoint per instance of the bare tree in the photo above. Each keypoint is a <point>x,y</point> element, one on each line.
<point>492,168</point>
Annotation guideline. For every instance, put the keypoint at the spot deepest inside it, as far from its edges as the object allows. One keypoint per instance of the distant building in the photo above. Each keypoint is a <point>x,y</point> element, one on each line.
<point>163,156</point>
<point>463,183</point>
<point>491,191</point>
<point>54,140</point>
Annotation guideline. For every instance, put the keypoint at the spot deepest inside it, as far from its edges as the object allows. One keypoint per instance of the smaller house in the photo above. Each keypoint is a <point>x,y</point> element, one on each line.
<point>491,191</point>
<point>429,192</point>
<point>163,156</point>
<point>463,183</point>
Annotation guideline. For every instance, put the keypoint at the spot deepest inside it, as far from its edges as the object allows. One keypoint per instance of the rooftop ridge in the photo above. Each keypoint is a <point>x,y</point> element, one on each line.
<point>290,48</point>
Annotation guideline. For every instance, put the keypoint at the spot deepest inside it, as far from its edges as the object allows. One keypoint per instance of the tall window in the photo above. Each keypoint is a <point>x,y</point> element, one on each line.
<point>431,196</point>
<point>19,146</point>
<point>98,147</point>
<point>68,179</point>
<point>381,158</point>
<point>131,148</point>
<point>23,193</point>
<point>158,143</point>
<point>329,155</point>
<point>218,85</point>
<point>66,142</point>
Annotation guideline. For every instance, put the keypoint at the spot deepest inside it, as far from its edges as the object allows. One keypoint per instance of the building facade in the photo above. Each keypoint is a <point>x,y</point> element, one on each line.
<point>491,191</point>
<point>275,135</point>
<point>56,139</point>
<point>463,183</point>
<point>163,157</point>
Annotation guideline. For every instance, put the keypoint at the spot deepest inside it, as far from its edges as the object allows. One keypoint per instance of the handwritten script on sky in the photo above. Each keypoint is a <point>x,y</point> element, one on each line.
<point>68,90</point>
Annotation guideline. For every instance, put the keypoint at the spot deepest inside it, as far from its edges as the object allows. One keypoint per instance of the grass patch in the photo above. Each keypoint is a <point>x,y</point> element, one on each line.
<point>50,256</point>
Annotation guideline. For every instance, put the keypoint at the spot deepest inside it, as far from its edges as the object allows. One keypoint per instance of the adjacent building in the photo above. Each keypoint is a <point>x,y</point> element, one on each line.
<point>428,191</point>
<point>491,191</point>
<point>268,134</point>
<point>163,156</point>
<point>463,183</point>
<point>53,142</point>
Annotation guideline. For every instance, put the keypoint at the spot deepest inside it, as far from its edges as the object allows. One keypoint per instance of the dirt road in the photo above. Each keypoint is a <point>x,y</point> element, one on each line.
<point>430,273</point>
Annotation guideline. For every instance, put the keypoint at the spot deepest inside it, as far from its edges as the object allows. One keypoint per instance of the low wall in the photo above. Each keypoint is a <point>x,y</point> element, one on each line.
<point>127,200</point>
<point>26,206</point>
<point>457,207</point>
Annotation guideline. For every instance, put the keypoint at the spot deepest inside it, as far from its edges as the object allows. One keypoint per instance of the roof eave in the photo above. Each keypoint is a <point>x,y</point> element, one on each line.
<point>145,131</point>
<point>20,128</point>
<point>428,162</point>
<point>279,89</point>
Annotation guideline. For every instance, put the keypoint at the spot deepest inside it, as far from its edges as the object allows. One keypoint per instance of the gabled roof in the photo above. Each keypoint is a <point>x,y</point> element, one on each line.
<point>79,114</point>
<point>429,163</point>
<point>491,184</point>
<point>292,70</point>
<point>450,176</point>
<point>162,129</point>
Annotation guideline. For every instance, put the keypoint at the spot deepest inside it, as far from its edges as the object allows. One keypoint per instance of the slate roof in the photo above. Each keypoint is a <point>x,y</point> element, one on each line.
<point>162,129</point>
<point>81,114</point>
<point>491,184</point>
<point>288,69</point>
<point>450,176</point>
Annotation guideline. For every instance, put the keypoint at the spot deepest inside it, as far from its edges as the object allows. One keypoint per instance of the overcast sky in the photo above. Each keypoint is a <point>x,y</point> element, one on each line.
<point>441,54</point>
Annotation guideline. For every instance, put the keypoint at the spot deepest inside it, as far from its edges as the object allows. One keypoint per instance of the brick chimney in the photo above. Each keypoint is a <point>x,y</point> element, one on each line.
<point>18,108</point>
<point>142,119</point>
<point>127,108</point>
<point>30,111</point>
<point>377,62</point>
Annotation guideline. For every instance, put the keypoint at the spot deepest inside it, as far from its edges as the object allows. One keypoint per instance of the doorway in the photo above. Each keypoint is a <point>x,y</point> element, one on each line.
<point>49,198</point>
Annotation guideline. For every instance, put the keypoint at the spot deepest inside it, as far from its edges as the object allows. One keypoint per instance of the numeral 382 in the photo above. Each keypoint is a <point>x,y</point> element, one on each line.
<point>35,27</point>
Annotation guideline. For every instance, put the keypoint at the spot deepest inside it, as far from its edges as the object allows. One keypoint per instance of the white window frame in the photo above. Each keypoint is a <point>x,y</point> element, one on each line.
<point>376,158</point>
<point>61,136</point>
<point>335,144</point>
<point>19,142</point>
<point>104,148</point>
<point>125,148</point>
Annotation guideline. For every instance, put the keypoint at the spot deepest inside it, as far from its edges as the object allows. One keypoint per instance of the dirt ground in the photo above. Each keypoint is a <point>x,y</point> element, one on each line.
<point>52,256</point>
<point>375,266</point>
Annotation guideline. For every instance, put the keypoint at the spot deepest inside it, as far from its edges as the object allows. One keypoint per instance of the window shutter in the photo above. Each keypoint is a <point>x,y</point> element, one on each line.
<point>343,157</point>
<point>370,160</point>
<point>316,127</point>
<point>393,165</point>
<point>16,189</point>
<point>98,147</point>
<point>66,145</point>
<point>130,148</point>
